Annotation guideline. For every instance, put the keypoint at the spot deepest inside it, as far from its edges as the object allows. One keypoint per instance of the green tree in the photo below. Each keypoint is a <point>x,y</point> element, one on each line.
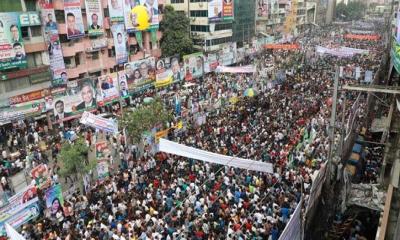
<point>176,35</point>
<point>145,118</point>
<point>351,11</point>
<point>74,158</point>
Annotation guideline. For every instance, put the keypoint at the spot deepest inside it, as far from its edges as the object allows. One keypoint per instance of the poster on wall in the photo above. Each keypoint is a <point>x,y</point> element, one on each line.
<point>94,16</point>
<point>12,51</point>
<point>107,88</point>
<point>52,40</point>
<point>115,8</point>
<point>73,19</point>
<point>152,11</point>
<point>128,6</point>
<point>140,74</point>
<point>168,69</point>
<point>193,65</point>
<point>262,8</point>
<point>119,35</point>
<point>227,10</point>
<point>214,10</point>
<point>123,85</point>
<point>79,96</point>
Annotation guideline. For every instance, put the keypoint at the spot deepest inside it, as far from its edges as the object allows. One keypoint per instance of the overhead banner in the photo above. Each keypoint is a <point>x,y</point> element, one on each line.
<point>140,74</point>
<point>193,153</point>
<point>215,11</point>
<point>12,51</point>
<point>193,65</point>
<point>107,88</point>
<point>371,37</point>
<point>94,16</point>
<point>282,46</point>
<point>119,35</point>
<point>27,212</point>
<point>294,227</point>
<point>51,37</point>
<point>115,8</point>
<point>16,201</point>
<point>100,123</point>
<point>334,52</point>
<point>73,19</point>
<point>240,69</point>
<point>79,96</point>
<point>225,57</point>
<point>152,11</point>
<point>227,10</point>
<point>54,199</point>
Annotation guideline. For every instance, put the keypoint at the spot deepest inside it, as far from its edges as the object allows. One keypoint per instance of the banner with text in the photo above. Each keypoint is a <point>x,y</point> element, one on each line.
<point>107,88</point>
<point>94,16</point>
<point>115,8</point>
<point>100,123</point>
<point>193,65</point>
<point>119,35</point>
<point>73,19</point>
<point>140,74</point>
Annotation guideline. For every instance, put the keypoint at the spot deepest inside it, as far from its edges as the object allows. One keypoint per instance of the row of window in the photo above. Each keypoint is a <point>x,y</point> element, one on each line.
<point>206,28</point>
<point>199,13</point>
<point>217,41</point>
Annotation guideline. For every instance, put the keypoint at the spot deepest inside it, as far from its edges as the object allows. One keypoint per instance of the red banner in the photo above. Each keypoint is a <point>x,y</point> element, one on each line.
<point>373,37</point>
<point>282,46</point>
<point>27,97</point>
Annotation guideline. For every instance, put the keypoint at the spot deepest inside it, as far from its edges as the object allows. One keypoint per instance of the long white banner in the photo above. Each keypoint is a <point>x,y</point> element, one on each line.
<point>242,69</point>
<point>104,124</point>
<point>190,152</point>
<point>293,229</point>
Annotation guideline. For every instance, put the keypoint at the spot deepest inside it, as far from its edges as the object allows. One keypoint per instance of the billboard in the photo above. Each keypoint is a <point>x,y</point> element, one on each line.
<point>128,6</point>
<point>94,15</point>
<point>119,35</point>
<point>152,11</point>
<point>73,19</point>
<point>115,8</point>
<point>25,213</point>
<point>12,51</point>
<point>193,66</point>
<point>123,85</point>
<point>227,10</point>
<point>79,96</point>
<point>52,40</point>
<point>262,8</point>
<point>140,74</point>
<point>107,88</point>
<point>54,199</point>
<point>168,70</point>
<point>99,123</point>
<point>215,10</point>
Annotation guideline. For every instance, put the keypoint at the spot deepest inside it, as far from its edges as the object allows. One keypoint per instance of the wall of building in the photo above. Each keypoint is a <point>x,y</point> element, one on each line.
<point>244,23</point>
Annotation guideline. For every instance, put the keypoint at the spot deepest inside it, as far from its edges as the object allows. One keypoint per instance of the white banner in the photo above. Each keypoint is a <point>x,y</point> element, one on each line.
<point>242,69</point>
<point>190,152</point>
<point>104,124</point>
<point>293,228</point>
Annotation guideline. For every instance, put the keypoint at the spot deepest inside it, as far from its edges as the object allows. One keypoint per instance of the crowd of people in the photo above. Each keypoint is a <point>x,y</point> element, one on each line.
<point>169,197</point>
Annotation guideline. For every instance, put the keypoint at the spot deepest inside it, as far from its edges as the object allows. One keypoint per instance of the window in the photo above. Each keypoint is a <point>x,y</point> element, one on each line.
<point>25,33</point>
<point>199,28</point>
<point>199,13</point>
<point>194,1</point>
<point>30,5</point>
<point>221,40</point>
<point>223,26</point>
<point>177,1</point>
<point>95,55</point>
<point>68,61</point>
<point>111,52</point>
<point>77,60</point>
<point>60,16</point>
<point>36,31</point>
<point>34,59</point>
<point>181,12</point>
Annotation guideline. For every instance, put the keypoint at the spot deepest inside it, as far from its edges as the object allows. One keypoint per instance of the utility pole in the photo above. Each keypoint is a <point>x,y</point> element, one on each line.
<point>332,124</point>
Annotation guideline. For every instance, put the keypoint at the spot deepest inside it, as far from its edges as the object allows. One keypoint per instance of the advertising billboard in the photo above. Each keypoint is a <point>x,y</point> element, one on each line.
<point>152,11</point>
<point>107,88</point>
<point>140,74</point>
<point>115,8</point>
<point>215,10</point>
<point>12,51</point>
<point>227,10</point>
<point>73,19</point>
<point>193,66</point>
<point>94,16</point>
<point>79,96</point>
<point>119,35</point>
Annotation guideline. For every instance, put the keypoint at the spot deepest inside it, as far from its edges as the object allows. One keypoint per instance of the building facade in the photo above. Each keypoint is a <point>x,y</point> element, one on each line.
<point>244,22</point>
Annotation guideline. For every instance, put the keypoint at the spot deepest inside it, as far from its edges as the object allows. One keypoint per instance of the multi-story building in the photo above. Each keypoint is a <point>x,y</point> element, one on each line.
<point>83,57</point>
<point>244,22</point>
<point>210,29</point>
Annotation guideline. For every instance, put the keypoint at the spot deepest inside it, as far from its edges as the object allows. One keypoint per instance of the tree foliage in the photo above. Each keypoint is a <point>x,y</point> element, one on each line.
<point>74,158</point>
<point>176,36</point>
<point>351,11</point>
<point>145,118</point>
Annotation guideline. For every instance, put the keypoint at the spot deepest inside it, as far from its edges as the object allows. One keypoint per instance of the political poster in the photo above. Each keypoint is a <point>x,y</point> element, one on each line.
<point>79,96</point>
<point>119,35</point>
<point>107,88</point>
<point>115,8</point>
<point>262,8</point>
<point>140,74</point>
<point>27,212</point>
<point>73,19</point>
<point>54,199</point>
<point>41,176</point>
<point>18,199</point>
<point>103,169</point>
<point>215,11</point>
<point>227,56</point>
<point>152,11</point>
<point>100,123</point>
<point>102,150</point>
<point>211,62</point>
<point>193,65</point>
<point>123,85</point>
<point>12,51</point>
<point>168,70</point>
<point>128,6</point>
<point>227,10</point>
<point>94,15</point>
<point>368,76</point>
<point>52,40</point>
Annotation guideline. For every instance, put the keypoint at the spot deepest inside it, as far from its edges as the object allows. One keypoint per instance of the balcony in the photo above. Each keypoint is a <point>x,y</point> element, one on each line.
<point>73,71</point>
<point>35,47</point>
<point>94,65</point>
<point>70,50</point>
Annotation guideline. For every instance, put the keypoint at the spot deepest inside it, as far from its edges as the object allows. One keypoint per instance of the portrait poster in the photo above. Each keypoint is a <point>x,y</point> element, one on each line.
<point>215,10</point>
<point>94,16</point>
<point>54,199</point>
<point>73,19</point>
<point>119,35</point>
<point>116,10</point>
<point>140,74</point>
<point>152,11</point>
<point>107,88</point>
<point>193,65</point>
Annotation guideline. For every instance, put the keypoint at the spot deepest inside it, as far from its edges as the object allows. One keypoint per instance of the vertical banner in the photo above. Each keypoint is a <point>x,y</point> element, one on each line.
<point>54,199</point>
<point>128,6</point>
<point>123,85</point>
<point>94,15</point>
<point>107,88</point>
<point>51,37</point>
<point>215,10</point>
<point>139,39</point>
<point>103,153</point>
<point>140,74</point>
<point>119,35</point>
<point>152,11</point>
<point>262,8</point>
<point>12,51</point>
<point>115,8</point>
<point>398,28</point>
<point>227,11</point>
<point>79,96</point>
<point>368,76</point>
<point>73,19</point>
<point>193,65</point>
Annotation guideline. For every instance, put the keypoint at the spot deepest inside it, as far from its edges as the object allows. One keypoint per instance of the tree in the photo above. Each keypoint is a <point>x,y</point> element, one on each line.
<point>74,158</point>
<point>145,118</point>
<point>351,11</point>
<point>176,35</point>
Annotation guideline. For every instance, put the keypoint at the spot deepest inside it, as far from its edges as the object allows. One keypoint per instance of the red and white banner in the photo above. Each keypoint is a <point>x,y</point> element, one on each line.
<point>242,69</point>
<point>286,46</point>
<point>372,37</point>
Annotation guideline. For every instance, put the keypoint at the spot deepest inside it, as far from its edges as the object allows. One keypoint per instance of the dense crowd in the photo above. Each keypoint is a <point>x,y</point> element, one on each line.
<point>168,197</point>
